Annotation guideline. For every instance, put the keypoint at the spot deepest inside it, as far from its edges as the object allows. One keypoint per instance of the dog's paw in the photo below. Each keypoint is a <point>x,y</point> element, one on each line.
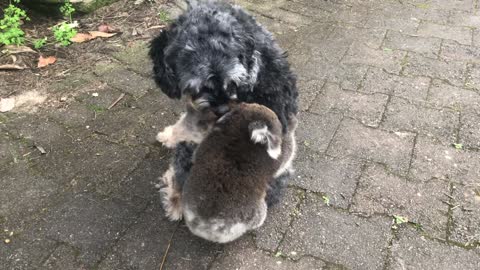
<point>171,201</point>
<point>166,137</point>
<point>167,177</point>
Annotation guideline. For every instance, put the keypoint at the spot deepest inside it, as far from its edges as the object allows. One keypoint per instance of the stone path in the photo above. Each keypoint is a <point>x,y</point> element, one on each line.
<point>389,130</point>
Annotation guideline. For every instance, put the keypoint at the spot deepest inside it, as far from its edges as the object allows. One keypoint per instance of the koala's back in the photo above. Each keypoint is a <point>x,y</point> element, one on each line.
<point>229,177</point>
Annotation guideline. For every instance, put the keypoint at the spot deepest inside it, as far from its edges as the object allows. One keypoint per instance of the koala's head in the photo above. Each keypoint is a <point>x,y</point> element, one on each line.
<point>262,124</point>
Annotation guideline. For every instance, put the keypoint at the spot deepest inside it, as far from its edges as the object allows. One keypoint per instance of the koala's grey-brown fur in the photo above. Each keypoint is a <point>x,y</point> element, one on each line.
<point>224,195</point>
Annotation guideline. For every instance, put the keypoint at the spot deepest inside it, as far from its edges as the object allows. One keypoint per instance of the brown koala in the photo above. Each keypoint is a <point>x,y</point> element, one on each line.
<point>224,194</point>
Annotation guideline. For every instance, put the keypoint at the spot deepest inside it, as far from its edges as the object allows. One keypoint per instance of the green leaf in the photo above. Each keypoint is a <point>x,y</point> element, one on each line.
<point>39,43</point>
<point>458,146</point>
<point>10,25</point>
<point>400,219</point>
<point>326,200</point>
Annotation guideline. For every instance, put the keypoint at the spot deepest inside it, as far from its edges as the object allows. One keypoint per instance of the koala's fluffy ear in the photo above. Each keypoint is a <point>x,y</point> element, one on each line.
<point>259,133</point>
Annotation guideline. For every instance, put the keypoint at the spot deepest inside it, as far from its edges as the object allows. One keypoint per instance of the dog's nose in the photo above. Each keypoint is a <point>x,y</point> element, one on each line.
<point>221,109</point>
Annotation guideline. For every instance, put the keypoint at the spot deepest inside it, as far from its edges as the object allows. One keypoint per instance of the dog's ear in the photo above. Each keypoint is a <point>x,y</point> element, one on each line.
<point>260,133</point>
<point>163,74</point>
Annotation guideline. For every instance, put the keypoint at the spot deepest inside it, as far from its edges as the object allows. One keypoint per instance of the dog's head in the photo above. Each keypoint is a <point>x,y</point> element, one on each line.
<point>210,56</point>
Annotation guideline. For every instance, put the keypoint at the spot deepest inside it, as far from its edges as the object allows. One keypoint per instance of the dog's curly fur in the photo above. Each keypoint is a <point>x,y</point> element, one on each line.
<point>215,52</point>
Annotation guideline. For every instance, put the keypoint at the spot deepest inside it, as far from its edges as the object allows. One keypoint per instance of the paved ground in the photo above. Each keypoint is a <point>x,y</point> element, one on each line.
<point>389,130</point>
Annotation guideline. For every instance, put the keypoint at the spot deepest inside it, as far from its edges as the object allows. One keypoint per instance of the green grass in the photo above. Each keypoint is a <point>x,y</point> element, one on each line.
<point>96,108</point>
<point>164,16</point>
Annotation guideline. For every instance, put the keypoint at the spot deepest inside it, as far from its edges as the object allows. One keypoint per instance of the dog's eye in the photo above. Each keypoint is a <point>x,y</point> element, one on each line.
<point>206,90</point>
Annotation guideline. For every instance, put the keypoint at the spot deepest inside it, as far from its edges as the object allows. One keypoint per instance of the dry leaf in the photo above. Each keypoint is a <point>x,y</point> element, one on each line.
<point>81,37</point>
<point>11,67</point>
<point>101,34</point>
<point>7,104</point>
<point>106,28</point>
<point>43,62</point>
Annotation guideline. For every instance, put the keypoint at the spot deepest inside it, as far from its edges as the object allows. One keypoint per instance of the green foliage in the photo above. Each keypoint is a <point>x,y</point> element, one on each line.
<point>63,33</point>
<point>326,200</point>
<point>10,31</point>
<point>39,43</point>
<point>400,219</point>
<point>67,10</point>
<point>96,108</point>
<point>458,146</point>
<point>163,16</point>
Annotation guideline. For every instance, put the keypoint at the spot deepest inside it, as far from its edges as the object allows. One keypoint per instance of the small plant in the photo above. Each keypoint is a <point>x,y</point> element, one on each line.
<point>10,31</point>
<point>400,219</point>
<point>67,10</point>
<point>418,226</point>
<point>163,16</point>
<point>326,200</point>
<point>65,31</point>
<point>458,146</point>
<point>39,43</point>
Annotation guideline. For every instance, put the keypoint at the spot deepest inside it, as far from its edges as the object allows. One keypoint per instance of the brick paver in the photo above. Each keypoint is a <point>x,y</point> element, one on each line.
<point>389,126</point>
<point>338,237</point>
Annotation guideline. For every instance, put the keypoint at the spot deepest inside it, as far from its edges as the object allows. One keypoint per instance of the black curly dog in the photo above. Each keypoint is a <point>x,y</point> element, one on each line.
<point>210,55</point>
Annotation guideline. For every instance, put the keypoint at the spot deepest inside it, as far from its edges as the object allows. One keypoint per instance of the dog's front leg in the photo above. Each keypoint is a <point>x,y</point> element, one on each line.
<point>171,195</point>
<point>170,136</point>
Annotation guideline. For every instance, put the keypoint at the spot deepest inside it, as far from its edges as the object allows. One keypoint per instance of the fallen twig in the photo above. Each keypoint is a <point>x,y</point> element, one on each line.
<point>13,49</point>
<point>156,27</point>
<point>168,246</point>
<point>455,206</point>
<point>449,196</point>
<point>42,151</point>
<point>11,93</point>
<point>451,204</point>
<point>11,67</point>
<point>116,101</point>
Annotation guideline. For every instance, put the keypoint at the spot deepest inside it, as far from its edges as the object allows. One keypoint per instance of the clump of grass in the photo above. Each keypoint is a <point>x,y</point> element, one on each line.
<point>164,16</point>
<point>96,108</point>
<point>39,43</point>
